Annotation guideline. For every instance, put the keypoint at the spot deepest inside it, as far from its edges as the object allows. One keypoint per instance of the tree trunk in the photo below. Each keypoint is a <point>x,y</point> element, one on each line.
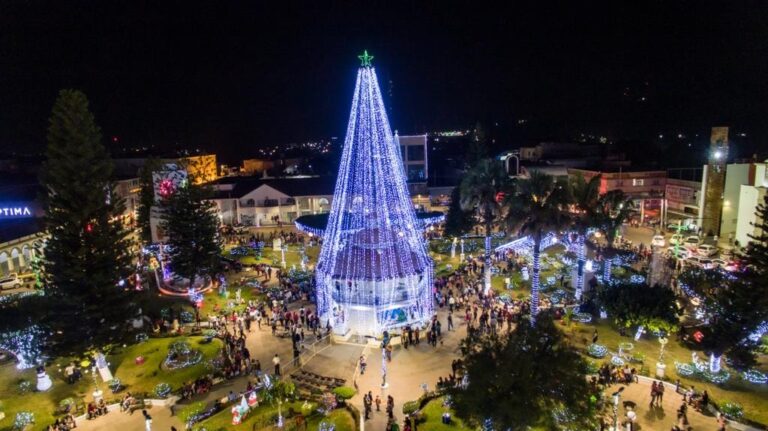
<point>581,250</point>
<point>607,267</point>
<point>535,278</point>
<point>487,274</point>
<point>714,363</point>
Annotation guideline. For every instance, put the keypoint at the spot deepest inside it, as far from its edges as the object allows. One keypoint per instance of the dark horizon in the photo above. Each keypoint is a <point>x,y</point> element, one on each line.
<point>233,78</point>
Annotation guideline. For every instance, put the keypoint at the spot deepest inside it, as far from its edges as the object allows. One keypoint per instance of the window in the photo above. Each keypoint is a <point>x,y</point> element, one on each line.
<point>637,181</point>
<point>416,173</point>
<point>415,153</point>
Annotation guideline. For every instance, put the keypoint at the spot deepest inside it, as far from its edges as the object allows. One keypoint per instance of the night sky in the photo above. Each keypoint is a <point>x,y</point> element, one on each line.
<point>233,76</point>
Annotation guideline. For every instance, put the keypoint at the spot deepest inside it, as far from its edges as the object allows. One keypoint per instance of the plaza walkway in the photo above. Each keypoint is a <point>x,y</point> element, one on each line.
<point>409,370</point>
<point>637,397</point>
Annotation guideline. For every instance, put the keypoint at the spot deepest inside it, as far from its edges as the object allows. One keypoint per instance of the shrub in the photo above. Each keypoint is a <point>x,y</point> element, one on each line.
<point>344,392</point>
<point>162,390</point>
<point>191,411</point>
<point>410,407</point>
<point>732,410</point>
<point>115,385</point>
<point>23,419</point>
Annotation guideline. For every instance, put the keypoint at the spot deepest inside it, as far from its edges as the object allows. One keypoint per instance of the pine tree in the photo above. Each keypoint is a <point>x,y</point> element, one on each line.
<point>88,251</point>
<point>457,221</point>
<point>146,198</point>
<point>192,228</point>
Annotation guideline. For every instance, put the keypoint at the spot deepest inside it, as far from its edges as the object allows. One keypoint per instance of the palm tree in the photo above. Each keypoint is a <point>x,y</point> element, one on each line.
<point>585,196</point>
<point>613,209</point>
<point>538,206</point>
<point>482,190</point>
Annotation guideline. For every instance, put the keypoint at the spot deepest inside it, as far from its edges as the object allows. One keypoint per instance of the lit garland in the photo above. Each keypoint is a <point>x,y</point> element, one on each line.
<point>755,376</point>
<point>524,245</point>
<point>374,272</point>
<point>597,350</point>
<point>582,317</point>
<point>701,370</point>
<point>308,229</point>
<point>615,360</point>
<point>23,419</point>
<point>180,355</point>
<point>685,370</point>
<point>162,390</point>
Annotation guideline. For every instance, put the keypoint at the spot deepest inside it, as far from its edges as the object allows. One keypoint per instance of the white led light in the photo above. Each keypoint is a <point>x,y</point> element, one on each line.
<point>373,272</point>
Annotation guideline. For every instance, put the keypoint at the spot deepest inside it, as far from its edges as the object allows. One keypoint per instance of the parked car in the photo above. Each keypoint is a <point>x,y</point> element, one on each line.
<point>11,281</point>
<point>701,262</point>
<point>658,241</point>
<point>728,265</point>
<point>706,250</point>
<point>676,239</point>
<point>692,242</point>
<point>677,252</point>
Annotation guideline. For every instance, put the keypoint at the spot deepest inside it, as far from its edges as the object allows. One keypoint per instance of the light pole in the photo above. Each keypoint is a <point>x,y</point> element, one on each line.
<point>616,396</point>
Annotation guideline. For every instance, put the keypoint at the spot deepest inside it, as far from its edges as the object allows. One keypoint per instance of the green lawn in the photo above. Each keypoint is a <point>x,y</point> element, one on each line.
<point>264,417</point>
<point>753,397</point>
<point>273,257</point>
<point>144,377</point>
<point>137,378</point>
<point>433,411</point>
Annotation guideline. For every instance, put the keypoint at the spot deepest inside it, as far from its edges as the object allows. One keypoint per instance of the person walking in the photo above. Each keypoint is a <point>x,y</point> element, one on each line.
<point>147,421</point>
<point>659,393</point>
<point>450,321</point>
<point>390,406</point>
<point>654,394</point>
<point>378,403</point>
<point>367,402</point>
<point>276,363</point>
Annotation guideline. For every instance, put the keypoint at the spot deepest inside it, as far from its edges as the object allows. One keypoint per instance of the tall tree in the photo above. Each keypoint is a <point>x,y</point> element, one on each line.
<point>653,307</point>
<point>458,221</point>
<point>734,305</point>
<point>585,195</point>
<point>88,251</point>
<point>525,378</point>
<point>482,190</point>
<point>538,206</point>
<point>613,209</point>
<point>730,309</point>
<point>191,225</point>
<point>146,198</point>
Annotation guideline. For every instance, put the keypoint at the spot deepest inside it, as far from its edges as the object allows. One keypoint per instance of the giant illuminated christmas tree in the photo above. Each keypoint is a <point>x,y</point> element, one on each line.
<point>374,273</point>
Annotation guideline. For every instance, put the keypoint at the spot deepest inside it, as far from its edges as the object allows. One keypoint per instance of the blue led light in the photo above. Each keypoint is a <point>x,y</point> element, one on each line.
<point>373,271</point>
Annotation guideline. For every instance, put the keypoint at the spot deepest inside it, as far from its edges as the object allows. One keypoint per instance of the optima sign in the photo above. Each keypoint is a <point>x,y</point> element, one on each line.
<point>15,212</point>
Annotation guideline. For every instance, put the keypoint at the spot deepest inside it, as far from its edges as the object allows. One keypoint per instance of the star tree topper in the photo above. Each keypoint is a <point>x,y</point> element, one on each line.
<point>365,59</point>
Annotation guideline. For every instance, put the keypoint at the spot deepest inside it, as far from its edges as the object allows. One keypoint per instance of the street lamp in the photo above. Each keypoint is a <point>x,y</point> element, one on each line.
<point>616,396</point>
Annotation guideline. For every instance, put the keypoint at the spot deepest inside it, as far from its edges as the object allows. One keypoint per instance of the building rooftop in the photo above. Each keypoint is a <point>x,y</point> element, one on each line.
<point>237,187</point>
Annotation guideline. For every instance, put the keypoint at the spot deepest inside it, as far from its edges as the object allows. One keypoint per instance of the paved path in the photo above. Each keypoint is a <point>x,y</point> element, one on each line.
<point>662,417</point>
<point>409,369</point>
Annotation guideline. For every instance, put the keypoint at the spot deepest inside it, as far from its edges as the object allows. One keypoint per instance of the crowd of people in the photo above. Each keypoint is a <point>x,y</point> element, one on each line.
<point>65,423</point>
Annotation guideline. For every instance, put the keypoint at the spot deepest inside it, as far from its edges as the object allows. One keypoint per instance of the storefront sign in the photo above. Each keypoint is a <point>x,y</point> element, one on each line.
<point>20,211</point>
